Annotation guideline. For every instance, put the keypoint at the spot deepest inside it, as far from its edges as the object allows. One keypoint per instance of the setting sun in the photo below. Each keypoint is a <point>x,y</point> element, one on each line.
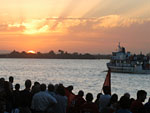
<point>31,52</point>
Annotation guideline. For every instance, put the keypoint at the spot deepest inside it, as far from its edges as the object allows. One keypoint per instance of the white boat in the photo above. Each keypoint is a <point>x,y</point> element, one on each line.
<point>125,62</point>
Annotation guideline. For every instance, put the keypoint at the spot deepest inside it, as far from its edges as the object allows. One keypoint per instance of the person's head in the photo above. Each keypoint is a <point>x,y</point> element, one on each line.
<point>114,98</point>
<point>127,95</point>
<point>89,97</point>
<point>70,88</point>
<point>35,89</point>
<point>2,80</point>
<point>81,93</point>
<point>124,102</point>
<point>27,84</point>
<point>17,86</point>
<point>7,86</point>
<point>51,87</point>
<point>106,90</point>
<point>43,87</point>
<point>141,95</point>
<point>60,90</point>
<point>11,79</point>
<point>98,95</point>
<point>36,83</point>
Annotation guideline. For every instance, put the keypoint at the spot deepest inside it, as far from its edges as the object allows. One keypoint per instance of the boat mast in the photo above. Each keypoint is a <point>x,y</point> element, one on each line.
<point>119,47</point>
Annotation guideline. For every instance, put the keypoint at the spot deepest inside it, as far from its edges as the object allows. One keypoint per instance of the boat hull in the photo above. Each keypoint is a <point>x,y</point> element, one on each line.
<point>133,70</point>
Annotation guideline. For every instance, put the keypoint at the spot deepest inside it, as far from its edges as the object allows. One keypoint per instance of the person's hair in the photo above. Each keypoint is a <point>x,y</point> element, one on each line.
<point>36,83</point>
<point>60,90</point>
<point>140,93</point>
<point>81,93</point>
<point>89,97</point>
<point>127,95</point>
<point>17,86</point>
<point>106,89</point>
<point>28,83</point>
<point>2,80</point>
<point>43,87</point>
<point>124,102</point>
<point>51,87</point>
<point>70,88</point>
<point>11,78</point>
<point>114,98</point>
<point>98,95</point>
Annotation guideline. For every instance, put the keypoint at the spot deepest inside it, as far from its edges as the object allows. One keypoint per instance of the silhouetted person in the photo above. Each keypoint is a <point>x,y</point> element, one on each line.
<point>147,106</point>
<point>51,89</point>
<point>26,97</point>
<point>113,104</point>
<point>11,80</point>
<point>35,88</point>
<point>2,95</point>
<point>137,105</point>
<point>61,105</point>
<point>124,104</point>
<point>16,97</point>
<point>77,102</point>
<point>104,99</point>
<point>97,99</point>
<point>127,95</point>
<point>89,106</point>
<point>8,96</point>
<point>42,101</point>
<point>70,88</point>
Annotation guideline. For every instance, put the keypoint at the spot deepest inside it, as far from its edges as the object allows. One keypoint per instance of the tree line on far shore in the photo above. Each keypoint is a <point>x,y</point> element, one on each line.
<point>53,55</point>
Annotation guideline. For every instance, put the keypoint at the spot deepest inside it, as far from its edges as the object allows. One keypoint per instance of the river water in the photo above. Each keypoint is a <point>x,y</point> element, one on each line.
<point>86,75</point>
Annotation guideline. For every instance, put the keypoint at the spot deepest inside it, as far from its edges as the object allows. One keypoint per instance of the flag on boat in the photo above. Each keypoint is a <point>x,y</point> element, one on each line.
<point>107,82</point>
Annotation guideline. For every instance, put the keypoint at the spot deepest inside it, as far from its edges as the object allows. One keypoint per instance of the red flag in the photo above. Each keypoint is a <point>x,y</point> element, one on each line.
<point>107,83</point>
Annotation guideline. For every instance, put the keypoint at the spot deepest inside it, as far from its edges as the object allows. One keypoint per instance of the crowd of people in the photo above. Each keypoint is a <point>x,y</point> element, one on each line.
<point>39,98</point>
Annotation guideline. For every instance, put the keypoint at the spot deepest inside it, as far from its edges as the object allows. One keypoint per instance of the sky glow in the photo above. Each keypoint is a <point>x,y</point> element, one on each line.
<point>93,26</point>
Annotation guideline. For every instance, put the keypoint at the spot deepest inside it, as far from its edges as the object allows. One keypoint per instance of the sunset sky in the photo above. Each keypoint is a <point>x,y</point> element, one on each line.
<point>93,26</point>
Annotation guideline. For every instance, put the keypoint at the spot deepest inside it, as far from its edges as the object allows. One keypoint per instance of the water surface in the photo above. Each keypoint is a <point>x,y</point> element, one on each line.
<point>87,75</point>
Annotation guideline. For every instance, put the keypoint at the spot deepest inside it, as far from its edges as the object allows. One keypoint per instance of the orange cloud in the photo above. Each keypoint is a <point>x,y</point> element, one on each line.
<point>117,21</point>
<point>64,25</point>
<point>11,28</point>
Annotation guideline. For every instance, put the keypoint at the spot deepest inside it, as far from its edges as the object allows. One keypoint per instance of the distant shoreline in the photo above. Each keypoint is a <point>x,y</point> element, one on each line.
<point>53,55</point>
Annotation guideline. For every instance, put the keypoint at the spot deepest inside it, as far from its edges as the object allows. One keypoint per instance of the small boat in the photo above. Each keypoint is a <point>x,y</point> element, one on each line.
<point>125,62</point>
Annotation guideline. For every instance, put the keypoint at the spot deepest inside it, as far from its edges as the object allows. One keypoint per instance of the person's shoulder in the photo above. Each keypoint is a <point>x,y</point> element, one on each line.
<point>23,91</point>
<point>108,96</point>
<point>37,94</point>
<point>123,111</point>
<point>105,96</point>
<point>136,102</point>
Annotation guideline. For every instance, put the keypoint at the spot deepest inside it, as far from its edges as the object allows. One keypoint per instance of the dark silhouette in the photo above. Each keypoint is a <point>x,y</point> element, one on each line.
<point>27,96</point>
<point>8,96</point>
<point>137,105</point>
<point>52,55</point>
<point>16,97</point>
<point>56,101</point>
<point>97,99</point>
<point>124,104</point>
<point>89,106</point>
<point>77,102</point>
<point>11,80</point>
<point>147,106</point>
